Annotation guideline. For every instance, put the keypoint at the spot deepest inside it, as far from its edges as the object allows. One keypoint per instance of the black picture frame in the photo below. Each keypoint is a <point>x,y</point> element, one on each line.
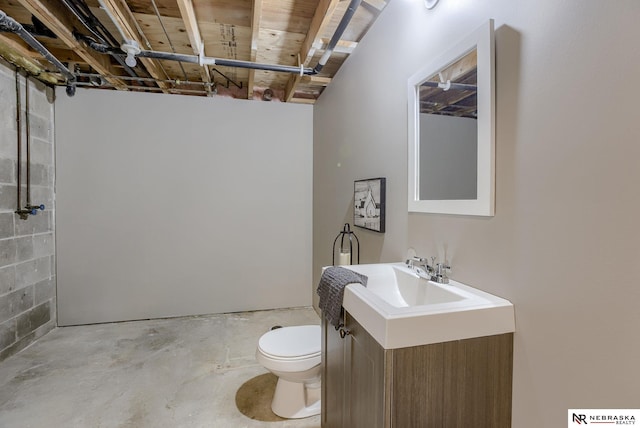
<point>369,201</point>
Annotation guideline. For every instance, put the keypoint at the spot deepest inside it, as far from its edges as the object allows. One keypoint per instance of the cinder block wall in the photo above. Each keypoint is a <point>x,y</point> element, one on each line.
<point>27,247</point>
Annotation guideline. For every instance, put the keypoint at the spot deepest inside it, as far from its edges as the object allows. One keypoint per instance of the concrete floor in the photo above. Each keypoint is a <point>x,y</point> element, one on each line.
<point>181,372</point>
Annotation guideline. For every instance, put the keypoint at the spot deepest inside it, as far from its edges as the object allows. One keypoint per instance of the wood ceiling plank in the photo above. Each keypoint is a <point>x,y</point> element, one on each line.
<point>165,7</point>
<point>127,22</point>
<point>16,11</point>
<point>284,32</point>
<point>292,16</point>
<point>280,47</point>
<point>221,41</point>
<point>271,79</point>
<point>230,12</point>
<point>65,55</point>
<point>156,37</point>
<point>227,41</point>
<point>56,17</point>
<point>193,32</point>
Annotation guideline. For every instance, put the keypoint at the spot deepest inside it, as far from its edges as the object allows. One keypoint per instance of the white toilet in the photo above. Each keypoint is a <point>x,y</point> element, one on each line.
<point>293,354</point>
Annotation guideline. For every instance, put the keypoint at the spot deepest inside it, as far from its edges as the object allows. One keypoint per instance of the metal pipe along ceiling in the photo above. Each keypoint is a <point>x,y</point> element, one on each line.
<point>91,23</point>
<point>11,25</point>
<point>203,60</point>
<point>344,22</point>
<point>451,85</point>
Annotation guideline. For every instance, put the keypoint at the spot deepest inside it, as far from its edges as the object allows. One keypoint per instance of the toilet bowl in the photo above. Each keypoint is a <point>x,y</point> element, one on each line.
<point>293,354</point>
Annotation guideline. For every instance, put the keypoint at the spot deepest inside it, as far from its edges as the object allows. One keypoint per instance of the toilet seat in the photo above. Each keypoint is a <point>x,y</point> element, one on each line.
<point>291,342</point>
<point>290,349</point>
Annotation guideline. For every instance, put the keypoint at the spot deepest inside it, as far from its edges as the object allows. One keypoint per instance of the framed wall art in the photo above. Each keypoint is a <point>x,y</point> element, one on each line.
<point>369,203</point>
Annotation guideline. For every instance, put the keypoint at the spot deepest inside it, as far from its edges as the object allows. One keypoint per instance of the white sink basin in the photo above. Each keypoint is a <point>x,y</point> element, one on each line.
<point>400,309</point>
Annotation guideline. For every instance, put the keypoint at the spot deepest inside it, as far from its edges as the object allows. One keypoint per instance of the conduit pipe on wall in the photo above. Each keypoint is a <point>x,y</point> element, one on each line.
<point>24,214</point>
<point>33,209</point>
<point>28,209</point>
<point>9,24</point>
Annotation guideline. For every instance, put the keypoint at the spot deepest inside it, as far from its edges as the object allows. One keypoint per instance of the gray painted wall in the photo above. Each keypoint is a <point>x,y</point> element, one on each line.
<point>565,238</point>
<point>448,157</point>
<point>27,250</point>
<point>174,205</point>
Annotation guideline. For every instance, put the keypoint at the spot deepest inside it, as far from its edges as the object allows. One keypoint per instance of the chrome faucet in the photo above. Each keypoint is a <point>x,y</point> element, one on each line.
<point>436,272</point>
<point>420,265</point>
<point>440,275</point>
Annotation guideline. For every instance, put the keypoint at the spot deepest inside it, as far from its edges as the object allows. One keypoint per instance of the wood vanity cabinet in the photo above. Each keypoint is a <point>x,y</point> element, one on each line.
<point>458,384</point>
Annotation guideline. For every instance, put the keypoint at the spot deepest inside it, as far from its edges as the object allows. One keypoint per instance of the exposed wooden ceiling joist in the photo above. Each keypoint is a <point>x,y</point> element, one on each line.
<point>275,32</point>
<point>290,89</point>
<point>455,101</point>
<point>321,18</point>
<point>343,46</point>
<point>458,69</point>
<point>195,38</point>
<point>316,80</point>
<point>256,15</point>
<point>55,16</point>
<point>127,23</point>
<point>19,55</point>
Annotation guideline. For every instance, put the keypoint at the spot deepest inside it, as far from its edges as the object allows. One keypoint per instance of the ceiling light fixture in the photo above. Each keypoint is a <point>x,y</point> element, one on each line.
<point>430,4</point>
<point>131,48</point>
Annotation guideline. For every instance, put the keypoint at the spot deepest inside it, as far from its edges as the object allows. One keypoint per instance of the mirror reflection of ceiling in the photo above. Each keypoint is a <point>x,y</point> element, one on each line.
<point>460,99</point>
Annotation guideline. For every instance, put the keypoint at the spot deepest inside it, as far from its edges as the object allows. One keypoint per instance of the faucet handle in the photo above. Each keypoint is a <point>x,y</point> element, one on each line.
<point>441,273</point>
<point>412,261</point>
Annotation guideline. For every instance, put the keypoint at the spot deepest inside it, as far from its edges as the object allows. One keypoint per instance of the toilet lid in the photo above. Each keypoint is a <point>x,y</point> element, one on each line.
<point>292,342</point>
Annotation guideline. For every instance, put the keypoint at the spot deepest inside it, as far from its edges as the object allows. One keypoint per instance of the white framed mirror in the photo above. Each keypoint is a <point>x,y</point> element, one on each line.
<point>452,130</point>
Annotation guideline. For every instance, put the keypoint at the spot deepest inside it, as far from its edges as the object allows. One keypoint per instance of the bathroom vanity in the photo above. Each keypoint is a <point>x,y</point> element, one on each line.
<point>431,375</point>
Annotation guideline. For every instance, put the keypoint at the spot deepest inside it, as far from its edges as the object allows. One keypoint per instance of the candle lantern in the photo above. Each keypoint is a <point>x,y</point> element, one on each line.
<point>345,248</point>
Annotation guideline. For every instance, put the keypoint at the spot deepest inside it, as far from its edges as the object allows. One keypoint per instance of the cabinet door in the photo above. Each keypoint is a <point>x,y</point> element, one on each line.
<point>365,360</point>
<point>333,376</point>
<point>458,384</point>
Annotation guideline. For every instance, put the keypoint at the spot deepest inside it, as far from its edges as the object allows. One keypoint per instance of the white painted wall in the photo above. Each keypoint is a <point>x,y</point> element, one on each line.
<point>564,242</point>
<point>174,205</point>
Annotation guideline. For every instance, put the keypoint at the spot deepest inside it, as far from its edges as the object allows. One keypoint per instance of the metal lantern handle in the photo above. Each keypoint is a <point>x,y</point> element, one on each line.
<point>346,231</point>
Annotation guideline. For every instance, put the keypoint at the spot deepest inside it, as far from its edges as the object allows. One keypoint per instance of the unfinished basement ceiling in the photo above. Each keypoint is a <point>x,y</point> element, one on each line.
<point>453,91</point>
<point>290,33</point>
